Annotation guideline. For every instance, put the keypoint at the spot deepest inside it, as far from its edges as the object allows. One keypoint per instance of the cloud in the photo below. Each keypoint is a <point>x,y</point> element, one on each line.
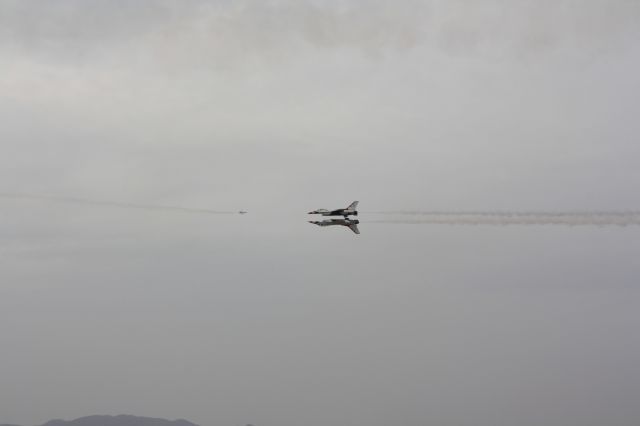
<point>175,30</point>
<point>200,33</point>
<point>525,26</point>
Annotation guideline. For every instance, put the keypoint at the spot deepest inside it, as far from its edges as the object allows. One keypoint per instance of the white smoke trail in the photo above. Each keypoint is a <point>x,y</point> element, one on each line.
<point>76,200</point>
<point>566,218</point>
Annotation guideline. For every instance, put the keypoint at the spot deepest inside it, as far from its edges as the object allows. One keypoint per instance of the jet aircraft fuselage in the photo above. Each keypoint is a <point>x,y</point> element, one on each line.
<point>346,212</point>
<point>349,223</point>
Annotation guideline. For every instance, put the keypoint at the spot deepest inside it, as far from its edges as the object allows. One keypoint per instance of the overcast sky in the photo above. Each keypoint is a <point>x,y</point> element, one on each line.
<point>259,104</point>
<point>280,107</point>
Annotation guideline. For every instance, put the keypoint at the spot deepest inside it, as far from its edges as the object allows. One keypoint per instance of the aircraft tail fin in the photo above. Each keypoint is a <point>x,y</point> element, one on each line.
<point>353,206</point>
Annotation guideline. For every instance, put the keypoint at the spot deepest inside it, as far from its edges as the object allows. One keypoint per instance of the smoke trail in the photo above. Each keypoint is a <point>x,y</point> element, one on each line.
<point>566,218</point>
<point>75,200</point>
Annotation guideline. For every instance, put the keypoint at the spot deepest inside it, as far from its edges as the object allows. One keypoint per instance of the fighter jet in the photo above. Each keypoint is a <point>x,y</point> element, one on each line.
<point>349,223</point>
<point>349,211</point>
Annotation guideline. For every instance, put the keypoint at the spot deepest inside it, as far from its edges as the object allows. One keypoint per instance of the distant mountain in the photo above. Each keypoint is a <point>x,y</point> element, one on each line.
<point>121,420</point>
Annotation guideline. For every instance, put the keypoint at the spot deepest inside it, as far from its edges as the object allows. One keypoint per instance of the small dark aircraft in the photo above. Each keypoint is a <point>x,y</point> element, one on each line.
<point>349,211</point>
<point>349,223</point>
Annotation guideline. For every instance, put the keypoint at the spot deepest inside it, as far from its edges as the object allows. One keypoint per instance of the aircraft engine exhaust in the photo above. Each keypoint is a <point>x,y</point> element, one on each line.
<point>84,201</point>
<point>567,218</point>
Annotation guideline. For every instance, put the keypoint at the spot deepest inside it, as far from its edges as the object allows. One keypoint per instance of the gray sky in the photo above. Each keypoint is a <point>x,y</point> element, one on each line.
<point>279,107</point>
<point>443,104</point>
